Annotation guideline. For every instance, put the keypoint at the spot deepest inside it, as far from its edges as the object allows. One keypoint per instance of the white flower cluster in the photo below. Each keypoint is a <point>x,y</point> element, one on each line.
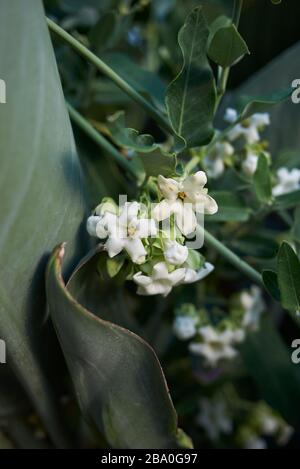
<point>216,344</point>
<point>248,130</point>
<point>163,257</point>
<point>263,422</point>
<point>214,417</point>
<point>287,181</point>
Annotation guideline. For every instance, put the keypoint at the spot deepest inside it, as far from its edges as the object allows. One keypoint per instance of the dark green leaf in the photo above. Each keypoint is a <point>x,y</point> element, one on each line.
<point>288,268</point>
<point>290,200</point>
<point>41,196</point>
<point>248,105</point>
<point>268,361</point>
<point>102,35</point>
<point>158,162</point>
<point>256,245</point>
<point>117,377</point>
<point>191,96</point>
<point>262,180</point>
<point>129,138</point>
<point>271,283</point>
<point>225,44</point>
<point>231,207</point>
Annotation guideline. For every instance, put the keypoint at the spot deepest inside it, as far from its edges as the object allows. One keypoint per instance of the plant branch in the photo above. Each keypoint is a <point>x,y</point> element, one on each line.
<point>233,258</point>
<point>110,73</point>
<point>100,140</point>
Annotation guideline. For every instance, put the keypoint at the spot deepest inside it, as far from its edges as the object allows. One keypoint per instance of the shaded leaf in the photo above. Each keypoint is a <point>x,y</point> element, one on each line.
<point>248,105</point>
<point>288,268</point>
<point>231,207</point>
<point>268,361</point>
<point>191,96</point>
<point>129,138</point>
<point>271,283</point>
<point>41,197</point>
<point>158,162</point>
<point>290,200</point>
<point>117,376</point>
<point>262,180</point>
<point>225,44</point>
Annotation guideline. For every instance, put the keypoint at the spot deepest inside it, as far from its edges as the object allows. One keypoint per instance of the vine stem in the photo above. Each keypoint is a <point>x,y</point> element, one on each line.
<point>100,140</point>
<point>233,258</point>
<point>110,73</point>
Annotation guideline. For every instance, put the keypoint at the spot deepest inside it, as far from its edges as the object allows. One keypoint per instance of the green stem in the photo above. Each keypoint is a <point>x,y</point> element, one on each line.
<point>233,258</point>
<point>109,72</point>
<point>223,73</point>
<point>100,140</point>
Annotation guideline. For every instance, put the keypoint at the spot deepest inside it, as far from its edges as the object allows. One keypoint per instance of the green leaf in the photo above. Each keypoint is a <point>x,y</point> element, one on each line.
<point>288,268</point>
<point>129,138</point>
<point>158,162</point>
<point>41,198</point>
<point>257,245</point>
<point>262,180</point>
<point>231,207</point>
<point>268,361</point>
<point>103,33</point>
<point>248,105</point>
<point>191,96</point>
<point>225,44</point>
<point>271,283</point>
<point>295,231</point>
<point>285,201</point>
<point>145,82</point>
<point>117,377</point>
<point>114,265</point>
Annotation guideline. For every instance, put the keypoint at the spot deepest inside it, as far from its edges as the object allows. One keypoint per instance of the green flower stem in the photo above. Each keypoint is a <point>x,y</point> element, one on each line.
<point>231,257</point>
<point>109,72</point>
<point>100,140</point>
<point>223,73</point>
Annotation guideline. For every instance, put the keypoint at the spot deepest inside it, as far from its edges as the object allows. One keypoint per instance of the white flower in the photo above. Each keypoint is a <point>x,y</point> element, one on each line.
<point>231,115</point>
<point>215,345</point>
<point>214,162</point>
<point>249,165</point>
<point>175,253</point>
<point>253,306</point>
<point>160,282</point>
<point>249,129</point>
<point>183,199</point>
<point>124,231</point>
<point>255,442</point>
<point>192,275</point>
<point>214,418</point>
<point>184,327</point>
<point>288,181</point>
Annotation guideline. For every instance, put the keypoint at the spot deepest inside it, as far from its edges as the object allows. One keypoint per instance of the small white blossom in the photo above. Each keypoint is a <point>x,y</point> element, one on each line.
<point>213,418</point>
<point>255,442</point>
<point>161,281</point>
<point>253,306</point>
<point>214,162</point>
<point>175,253</point>
<point>184,327</point>
<point>183,199</point>
<point>249,165</point>
<point>215,345</point>
<point>249,129</point>
<point>231,115</point>
<point>288,181</point>
<point>124,231</point>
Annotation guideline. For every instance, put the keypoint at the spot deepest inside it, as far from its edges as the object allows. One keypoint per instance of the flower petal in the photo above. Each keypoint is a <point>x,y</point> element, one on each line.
<point>91,225</point>
<point>185,218</point>
<point>136,250</point>
<point>169,187</point>
<point>163,210</point>
<point>146,227</point>
<point>114,246</point>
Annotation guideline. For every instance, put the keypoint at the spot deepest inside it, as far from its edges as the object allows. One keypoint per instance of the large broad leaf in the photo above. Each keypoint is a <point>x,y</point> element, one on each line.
<point>269,363</point>
<point>40,194</point>
<point>288,268</point>
<point>117,377</point>
<point>191,96</point>
<point>262,180</point>
<point>231,207</point>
